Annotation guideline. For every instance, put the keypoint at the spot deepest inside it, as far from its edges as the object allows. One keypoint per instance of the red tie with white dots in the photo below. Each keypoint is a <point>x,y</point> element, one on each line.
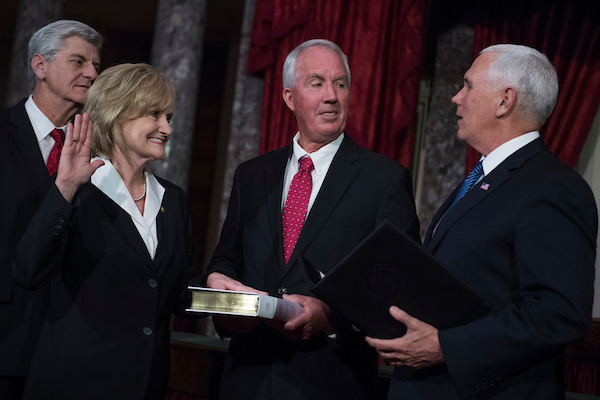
<point>296,205</point>
<point>52,164</point>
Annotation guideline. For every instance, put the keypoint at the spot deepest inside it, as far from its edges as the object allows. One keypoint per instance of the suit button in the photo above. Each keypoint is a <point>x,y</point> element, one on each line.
<point>147,331</point>
<point>152,283</point>
<point>282,290</point>
<point>62,218</point>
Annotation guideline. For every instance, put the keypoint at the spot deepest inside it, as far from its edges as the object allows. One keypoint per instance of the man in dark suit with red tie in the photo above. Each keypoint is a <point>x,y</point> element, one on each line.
<point>317,198</point>
<point>64,61</point>
<point>522,232</point>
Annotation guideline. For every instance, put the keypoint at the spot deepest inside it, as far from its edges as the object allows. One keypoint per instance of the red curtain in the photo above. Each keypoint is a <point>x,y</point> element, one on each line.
<point>569,34</point>
<point>383,40</point>
<point>581,376</point>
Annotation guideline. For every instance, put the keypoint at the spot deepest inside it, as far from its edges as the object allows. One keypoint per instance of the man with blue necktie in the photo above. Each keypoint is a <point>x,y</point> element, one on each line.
<point>521,232</point>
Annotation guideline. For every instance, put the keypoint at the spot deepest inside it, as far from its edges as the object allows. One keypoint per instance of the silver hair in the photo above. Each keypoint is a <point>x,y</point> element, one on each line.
<point>50,39</point>
<point>290,76</point>
<point>530,73</point>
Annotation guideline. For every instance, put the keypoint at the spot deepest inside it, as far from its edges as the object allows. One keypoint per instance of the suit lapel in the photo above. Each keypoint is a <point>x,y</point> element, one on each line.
<point>445,217</point>
<point>438,216</point>
<point>26,140</point>
<point>123,225</point>
<point>342,172</point>
<point>273,174</point>
<point>162,229</point>
<point>498,176</point>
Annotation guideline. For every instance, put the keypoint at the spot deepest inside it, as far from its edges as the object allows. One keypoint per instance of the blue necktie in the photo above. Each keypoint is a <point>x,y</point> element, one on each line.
<point>469,181</point>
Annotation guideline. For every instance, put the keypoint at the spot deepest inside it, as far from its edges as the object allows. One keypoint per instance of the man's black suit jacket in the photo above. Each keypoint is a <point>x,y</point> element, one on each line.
<point>527,244</point>
<point>360,191</point>
<point>25,182</point>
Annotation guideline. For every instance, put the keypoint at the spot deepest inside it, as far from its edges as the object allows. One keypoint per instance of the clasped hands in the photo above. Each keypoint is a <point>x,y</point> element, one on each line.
<point>418,348</point>
<point>314,320</point>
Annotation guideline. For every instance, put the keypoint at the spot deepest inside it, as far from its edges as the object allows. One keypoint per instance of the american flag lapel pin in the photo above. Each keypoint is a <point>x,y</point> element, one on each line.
<point>485,186</point>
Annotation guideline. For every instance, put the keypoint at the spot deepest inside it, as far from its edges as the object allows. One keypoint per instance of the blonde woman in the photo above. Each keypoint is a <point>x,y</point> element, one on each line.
<point>116,249</point>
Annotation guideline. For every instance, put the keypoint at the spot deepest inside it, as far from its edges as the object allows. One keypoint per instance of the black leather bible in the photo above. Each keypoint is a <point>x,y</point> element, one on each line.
<point>389,268</point>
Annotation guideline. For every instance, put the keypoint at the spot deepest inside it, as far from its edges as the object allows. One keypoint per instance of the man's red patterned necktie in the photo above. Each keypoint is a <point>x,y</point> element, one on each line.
<point>59,139</point>
<point>296,205</point>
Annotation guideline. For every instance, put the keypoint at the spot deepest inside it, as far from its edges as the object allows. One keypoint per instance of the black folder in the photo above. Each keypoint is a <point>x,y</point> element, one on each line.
<point>389,268</point>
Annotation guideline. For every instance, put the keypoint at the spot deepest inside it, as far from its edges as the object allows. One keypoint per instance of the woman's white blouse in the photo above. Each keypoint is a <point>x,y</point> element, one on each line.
<point>108,180</point>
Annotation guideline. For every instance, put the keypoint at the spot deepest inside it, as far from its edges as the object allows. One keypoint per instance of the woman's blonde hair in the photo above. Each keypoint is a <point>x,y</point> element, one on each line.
<point>120,94</point>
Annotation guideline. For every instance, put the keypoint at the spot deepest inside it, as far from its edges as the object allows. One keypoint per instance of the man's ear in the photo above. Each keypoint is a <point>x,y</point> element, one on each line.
<point>508,102</point>
<point>38,65</point>
<point>288,98</point>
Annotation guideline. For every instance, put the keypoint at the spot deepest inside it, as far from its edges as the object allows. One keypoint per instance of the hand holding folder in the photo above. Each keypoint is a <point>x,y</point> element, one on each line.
<point>389,268</point>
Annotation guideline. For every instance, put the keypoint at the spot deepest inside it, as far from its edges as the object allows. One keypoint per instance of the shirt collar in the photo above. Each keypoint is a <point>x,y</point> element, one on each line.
<point>108,180</point>
<point>321,158</point>
<point>42,126</point>
<point>502,152</point>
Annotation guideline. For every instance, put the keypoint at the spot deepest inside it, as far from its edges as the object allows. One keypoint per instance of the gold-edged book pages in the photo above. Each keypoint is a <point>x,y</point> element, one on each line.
<point>242,304</point>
